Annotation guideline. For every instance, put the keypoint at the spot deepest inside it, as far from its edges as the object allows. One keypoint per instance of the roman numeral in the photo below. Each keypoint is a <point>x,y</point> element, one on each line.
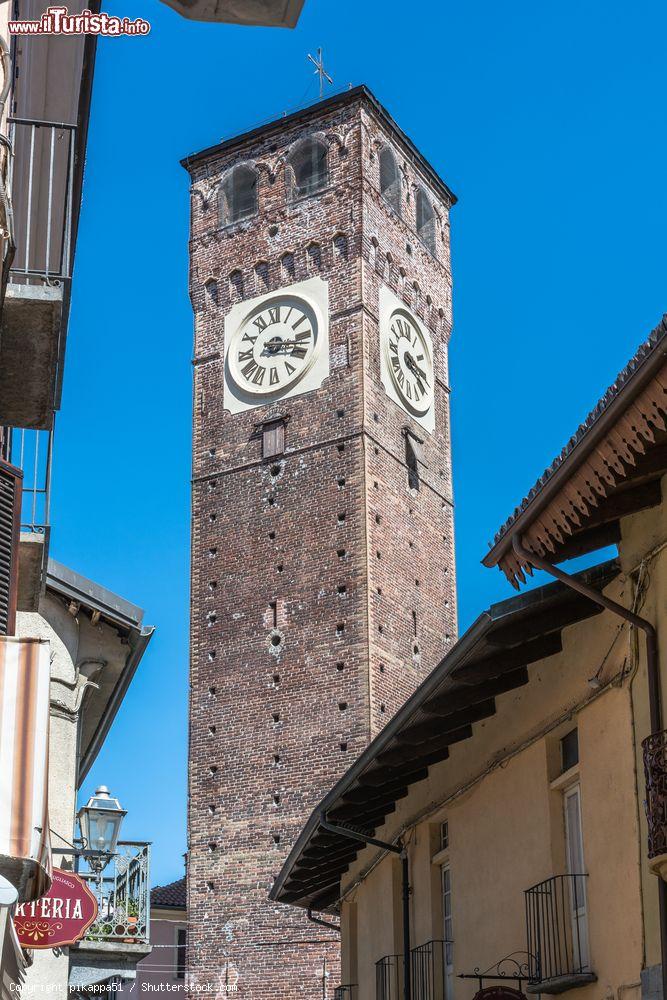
<point>251,340</point>
<point>396,363</point>
<point>289,368</point>
<point>394,349</point>
<point>249,369</point>
<point>260,323</point>
<point>408,390</point>
<point>245,355</point>
<point>258,377</point>
<point>304,319</point>
<point>400,378</point>
<point>274,378</point>
<point>304,336</point>
<point>299,352</point>
<point>274,314</point>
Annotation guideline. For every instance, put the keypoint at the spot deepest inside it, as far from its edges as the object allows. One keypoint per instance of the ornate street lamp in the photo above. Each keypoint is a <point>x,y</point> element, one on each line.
<point>100,821</point>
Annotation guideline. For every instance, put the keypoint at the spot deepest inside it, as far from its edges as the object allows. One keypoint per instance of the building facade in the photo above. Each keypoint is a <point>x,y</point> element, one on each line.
<point>164,969</point>
<point>57,705</point>
<point>323,578</point>
<point>520,791</point>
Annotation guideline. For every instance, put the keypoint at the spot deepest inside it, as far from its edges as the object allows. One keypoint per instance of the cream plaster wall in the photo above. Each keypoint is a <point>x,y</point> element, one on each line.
<point>51,969</point>
<point>506,825</point>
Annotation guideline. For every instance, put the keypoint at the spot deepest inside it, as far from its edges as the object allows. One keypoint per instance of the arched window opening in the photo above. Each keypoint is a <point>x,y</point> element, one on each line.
<point>390,184</point>
<point>261,276</point>
<point>340,245</point>
<point>211,287</point>
<point>287,266</point>
<point>238,195</point>
<point>310,169</point>
<point>236,286</point>
<point>314,258</point>
<point>425,219</point>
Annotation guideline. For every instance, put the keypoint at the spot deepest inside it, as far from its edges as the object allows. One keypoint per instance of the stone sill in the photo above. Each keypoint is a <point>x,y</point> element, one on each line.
<point>561,984</point>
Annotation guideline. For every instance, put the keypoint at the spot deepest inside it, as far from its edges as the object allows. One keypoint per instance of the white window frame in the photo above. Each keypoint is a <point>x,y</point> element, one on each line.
<point>574,844</point>
<point>447,928</point>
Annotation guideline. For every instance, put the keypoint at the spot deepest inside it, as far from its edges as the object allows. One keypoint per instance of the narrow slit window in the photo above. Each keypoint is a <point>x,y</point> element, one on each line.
<point>390,185</point>
<point>411,463</point>
<point>425,220</point>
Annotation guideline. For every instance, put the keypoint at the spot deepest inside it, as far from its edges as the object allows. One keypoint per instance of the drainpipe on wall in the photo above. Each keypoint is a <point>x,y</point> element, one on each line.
<point>652,666</point>
<point>401,850</point>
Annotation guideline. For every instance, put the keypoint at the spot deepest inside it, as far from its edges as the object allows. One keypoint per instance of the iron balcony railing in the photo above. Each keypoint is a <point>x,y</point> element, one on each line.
<point>557,929</point>
<point>389,978</point>
<point>32,452</point>
<point>655,771</point>
<point>350,991</point>
<point>123,895</point>
<point>41,182</point>
<point>429,964</point>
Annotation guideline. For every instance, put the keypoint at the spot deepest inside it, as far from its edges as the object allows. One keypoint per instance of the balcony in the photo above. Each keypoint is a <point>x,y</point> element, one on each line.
<point>431,970</point>
<point>120,937</point>
<point>347,992</point>
<point>655,771</point>
<point>37,273</point>
<point>389,978</point>
<point>557,935</point>
<point>31,451</point>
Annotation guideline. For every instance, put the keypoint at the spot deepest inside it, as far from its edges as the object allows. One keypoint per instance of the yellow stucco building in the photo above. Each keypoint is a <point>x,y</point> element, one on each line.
<point>494,836</point>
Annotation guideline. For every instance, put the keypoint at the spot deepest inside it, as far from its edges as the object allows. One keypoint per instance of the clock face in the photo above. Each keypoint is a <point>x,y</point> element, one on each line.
<point>406,359</point>
<point>274,347</point>
<point>409,361</point>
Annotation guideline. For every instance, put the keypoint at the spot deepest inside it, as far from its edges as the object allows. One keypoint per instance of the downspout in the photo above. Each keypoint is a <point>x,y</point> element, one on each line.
<point>652,667</point>
<point>320,922</point>
<point>402,851</point>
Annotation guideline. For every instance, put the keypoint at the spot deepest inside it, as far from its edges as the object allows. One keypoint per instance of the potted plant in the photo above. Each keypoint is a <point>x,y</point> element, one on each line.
<point>132,916</point>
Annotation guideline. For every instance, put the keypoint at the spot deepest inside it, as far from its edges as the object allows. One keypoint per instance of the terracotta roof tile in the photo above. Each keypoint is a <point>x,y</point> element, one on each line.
<point>173,894</point>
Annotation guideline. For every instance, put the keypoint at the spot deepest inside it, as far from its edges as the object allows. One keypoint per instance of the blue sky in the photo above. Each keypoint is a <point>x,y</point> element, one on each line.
<point>547,120</point>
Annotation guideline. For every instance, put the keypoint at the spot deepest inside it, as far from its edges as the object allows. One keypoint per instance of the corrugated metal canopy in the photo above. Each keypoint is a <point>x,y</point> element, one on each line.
<point>491,658</point>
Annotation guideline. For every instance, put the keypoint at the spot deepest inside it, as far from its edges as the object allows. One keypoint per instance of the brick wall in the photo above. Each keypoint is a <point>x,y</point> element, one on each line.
<point>359,567</point>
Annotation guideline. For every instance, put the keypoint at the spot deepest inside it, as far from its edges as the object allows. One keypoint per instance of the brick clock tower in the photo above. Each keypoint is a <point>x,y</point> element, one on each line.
<point>323,584</point>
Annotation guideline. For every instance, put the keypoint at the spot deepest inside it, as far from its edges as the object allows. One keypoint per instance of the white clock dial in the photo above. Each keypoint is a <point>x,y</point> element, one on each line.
<point>274,347</point>
<point>406,359</point>
<point>410,362</point>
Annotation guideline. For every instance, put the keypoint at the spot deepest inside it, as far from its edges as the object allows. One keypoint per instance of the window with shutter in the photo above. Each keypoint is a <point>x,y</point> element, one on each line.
<point>10,526</point>
<point>273,438</point>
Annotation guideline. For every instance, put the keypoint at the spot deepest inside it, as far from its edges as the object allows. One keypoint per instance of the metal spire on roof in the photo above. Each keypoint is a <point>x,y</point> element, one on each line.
<point>320,70</point>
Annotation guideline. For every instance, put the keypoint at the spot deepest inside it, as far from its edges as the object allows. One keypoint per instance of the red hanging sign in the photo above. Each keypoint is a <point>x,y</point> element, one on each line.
<point>499,993</point>
<point>60,917</point>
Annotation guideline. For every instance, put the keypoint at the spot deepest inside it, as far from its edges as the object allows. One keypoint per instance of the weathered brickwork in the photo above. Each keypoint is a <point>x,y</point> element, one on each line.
<point>323,588</point>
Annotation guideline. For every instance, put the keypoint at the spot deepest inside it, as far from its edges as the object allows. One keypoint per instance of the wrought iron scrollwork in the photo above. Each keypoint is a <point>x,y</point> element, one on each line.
<point>511,968</point>
<point>655,771</point>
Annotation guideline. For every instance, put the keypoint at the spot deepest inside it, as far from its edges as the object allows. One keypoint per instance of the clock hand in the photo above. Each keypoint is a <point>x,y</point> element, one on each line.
<point>272,347</point>
<point>412,365</point>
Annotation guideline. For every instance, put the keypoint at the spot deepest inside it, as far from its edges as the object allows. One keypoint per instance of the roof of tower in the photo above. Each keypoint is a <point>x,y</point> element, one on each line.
<point>313,111</point>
